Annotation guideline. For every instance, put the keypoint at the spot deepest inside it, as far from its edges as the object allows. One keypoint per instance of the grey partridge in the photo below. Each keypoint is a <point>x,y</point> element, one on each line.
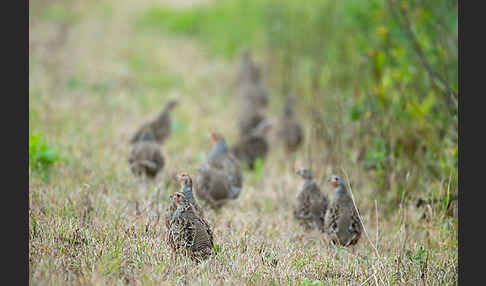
<point>222,158</point>
<point>186,188</point>
<point>246,68</point>
<point>213,186</point>
<point>160,127</point>
<point>290,131</point>
<point>248,120</point>
<point>343,224</point>
<point>253,146</point>
<point>251,88</point>
<point>310,204</point>
<point>254,93</point>
<point>145,157</point>
<point>189,233</point>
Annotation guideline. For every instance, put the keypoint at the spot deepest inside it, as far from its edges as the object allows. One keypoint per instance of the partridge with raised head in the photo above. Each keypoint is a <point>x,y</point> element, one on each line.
<point>343,224</point>
<point>246,68</point>
<point>290,131</point>
<point>310,204</point>
<point>189,233</point>
<point>251,88</point>
<point>186,188</point>
<point>160,127</point>
<point>222,158</point>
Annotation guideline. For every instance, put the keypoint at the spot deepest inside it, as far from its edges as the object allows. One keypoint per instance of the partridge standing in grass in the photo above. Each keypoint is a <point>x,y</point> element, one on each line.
<point>146,157</point>
<point>222,158</point>
<point>254,92</point>
<point>343,225</point>
<point>213,186</point>
<point>311,204</point>
<point>186,188</point>
<point>251,88</point>
<point>246,69</point>
<point>253,146</point>
<point>290,131</point>
<point>189,233</point>
<point>160,127</point>
<point>248,120</point>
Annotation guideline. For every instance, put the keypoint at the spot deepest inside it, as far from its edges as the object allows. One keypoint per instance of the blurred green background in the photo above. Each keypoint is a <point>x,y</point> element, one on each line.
<point>378,78</point>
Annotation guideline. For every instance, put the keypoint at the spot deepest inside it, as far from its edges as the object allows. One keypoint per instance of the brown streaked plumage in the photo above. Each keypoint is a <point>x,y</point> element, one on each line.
<point>188,233</point>
<point>310,204</point>
<point>145,157</point>
<point>342,222</point>
<point>187,189</point>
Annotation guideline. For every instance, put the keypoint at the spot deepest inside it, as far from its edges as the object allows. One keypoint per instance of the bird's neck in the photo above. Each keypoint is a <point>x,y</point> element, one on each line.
<point>308,181</point>
<point>219,148</point>
<point>164,112</point>
<point>340,192</point>
<point>187,190</point>
<point>180,208</point>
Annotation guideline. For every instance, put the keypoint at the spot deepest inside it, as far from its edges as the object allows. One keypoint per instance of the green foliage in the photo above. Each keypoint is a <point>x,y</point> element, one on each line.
<point>394,64</point>
<point>216,247</point>
<point>420,255</point>
<point>59,12</point>
<point>74,83</point>
<point>187,21</point>
<point>376,155</point>
<point>101,87</point>
<point>258,167</point>
<point>306,282</point>
<point>210,24</point>
<point>41,155</point>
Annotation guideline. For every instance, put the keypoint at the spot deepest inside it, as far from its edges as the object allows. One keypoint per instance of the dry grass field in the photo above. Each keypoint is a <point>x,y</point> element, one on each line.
<point>93,79</point>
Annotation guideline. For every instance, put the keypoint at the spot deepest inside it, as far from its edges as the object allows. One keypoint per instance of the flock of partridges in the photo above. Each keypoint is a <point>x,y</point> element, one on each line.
<point>220,178</point>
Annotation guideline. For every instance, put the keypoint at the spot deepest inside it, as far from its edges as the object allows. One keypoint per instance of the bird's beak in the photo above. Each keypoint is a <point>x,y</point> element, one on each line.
<point>171,196</point>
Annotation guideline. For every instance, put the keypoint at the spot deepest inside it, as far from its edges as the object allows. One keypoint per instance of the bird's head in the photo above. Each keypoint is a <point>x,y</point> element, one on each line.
<point>172,103</point>
<point>178,198</point>
<point>336,181</point>
<point>305,173</point>
<point>183,177</point>
<point>216,136</point>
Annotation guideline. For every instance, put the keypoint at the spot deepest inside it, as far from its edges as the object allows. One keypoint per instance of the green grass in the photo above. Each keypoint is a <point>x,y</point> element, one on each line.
<point>210,24</point>
<point>93,222</point>
<point>42,156</point>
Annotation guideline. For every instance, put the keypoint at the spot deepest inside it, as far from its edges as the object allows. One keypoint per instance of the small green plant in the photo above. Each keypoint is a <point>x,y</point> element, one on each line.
<point>41,155</point>
<point>420,255</point>
<point>258,167</point>
<point>216,247</point>
<point>306,282</point>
